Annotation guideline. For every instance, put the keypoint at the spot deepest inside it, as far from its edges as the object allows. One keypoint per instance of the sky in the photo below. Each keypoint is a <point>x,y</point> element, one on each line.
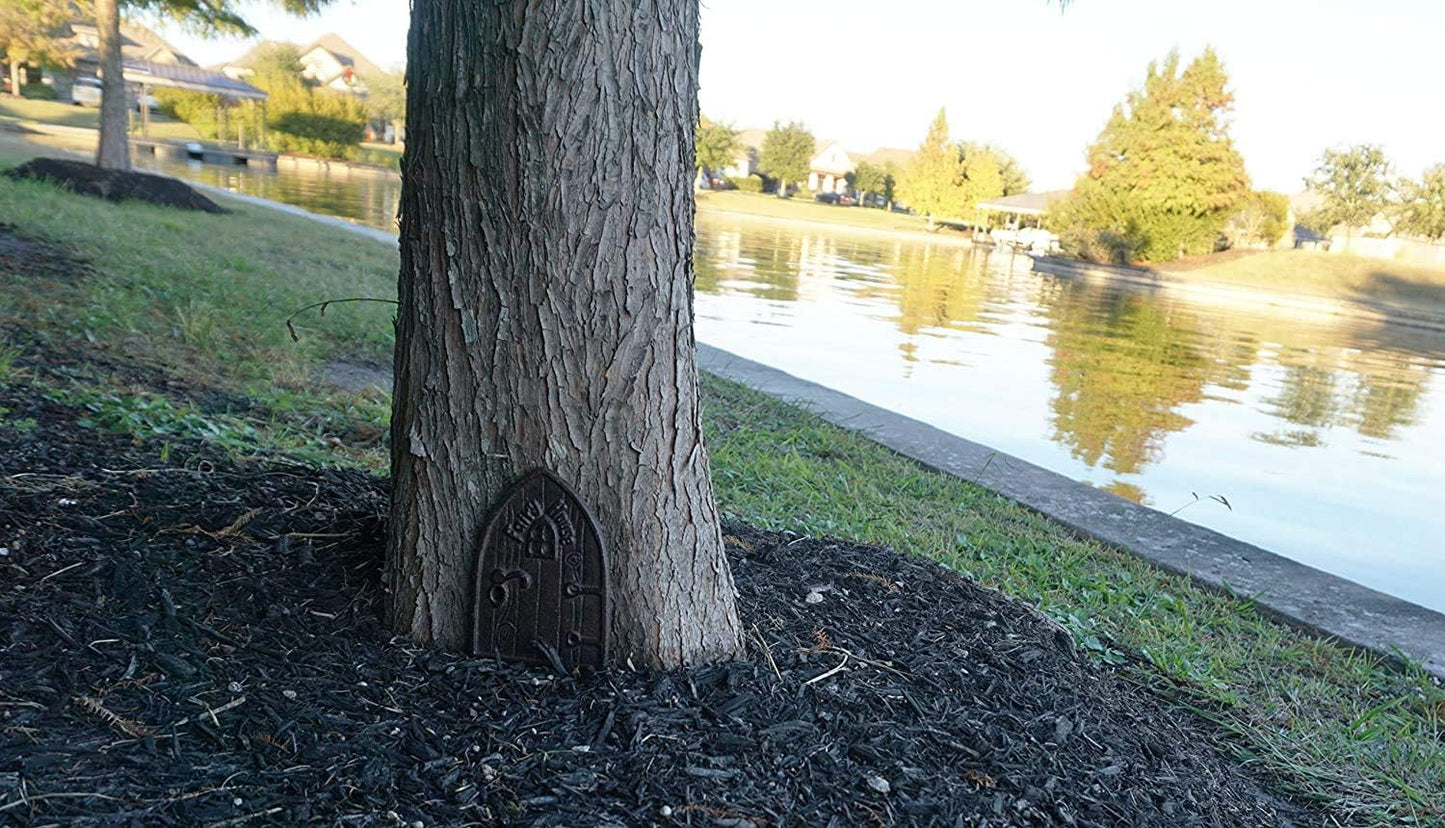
<point>1037,81</point>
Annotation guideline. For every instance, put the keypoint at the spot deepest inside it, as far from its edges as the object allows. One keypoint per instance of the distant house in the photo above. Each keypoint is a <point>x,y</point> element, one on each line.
<point>333,63</point>
<point>329,62</point>
<point>828,171</point>
<point>137,45</point>
<point>748,146</point>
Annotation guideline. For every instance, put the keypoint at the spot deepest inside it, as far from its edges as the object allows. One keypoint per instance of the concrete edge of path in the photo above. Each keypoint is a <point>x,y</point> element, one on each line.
<point>1300,595</point>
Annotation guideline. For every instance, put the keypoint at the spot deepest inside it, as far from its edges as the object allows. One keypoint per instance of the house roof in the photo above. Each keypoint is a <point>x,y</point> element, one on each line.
<point>1024,204</point>
<point>136,43</point>
<point>346,55</point>
<point>883,156</point>
<point>192,78</point>
<point>750,139</point>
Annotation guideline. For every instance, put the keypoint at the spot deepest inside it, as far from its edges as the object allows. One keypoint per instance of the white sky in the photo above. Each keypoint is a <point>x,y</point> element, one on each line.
<point>1306,73</point>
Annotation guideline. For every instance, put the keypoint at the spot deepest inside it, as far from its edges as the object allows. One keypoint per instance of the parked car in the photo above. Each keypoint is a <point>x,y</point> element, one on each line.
<point>826,198</point>
<point>85,92</point>
<point>845,200</point>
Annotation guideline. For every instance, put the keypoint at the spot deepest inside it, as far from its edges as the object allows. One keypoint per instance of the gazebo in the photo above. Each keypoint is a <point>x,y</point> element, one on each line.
<point>148,75</point>
<point>1015,209</point>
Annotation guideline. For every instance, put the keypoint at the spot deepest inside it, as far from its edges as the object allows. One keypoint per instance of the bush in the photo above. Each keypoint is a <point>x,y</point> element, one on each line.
<point>1260,222</point>
<point>749,184</point>
<point>39,92</point>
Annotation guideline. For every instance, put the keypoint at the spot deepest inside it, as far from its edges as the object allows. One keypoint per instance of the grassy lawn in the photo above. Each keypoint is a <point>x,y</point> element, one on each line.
<point>206,298</point>
<point>1309,272</point>
<point>64,114</point>
<point>382,155</point>
<point>803,209</point>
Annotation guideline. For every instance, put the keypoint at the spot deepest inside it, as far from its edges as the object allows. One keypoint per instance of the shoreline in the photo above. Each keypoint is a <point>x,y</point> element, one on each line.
<point>920,236</point>
<point>1222,294</point>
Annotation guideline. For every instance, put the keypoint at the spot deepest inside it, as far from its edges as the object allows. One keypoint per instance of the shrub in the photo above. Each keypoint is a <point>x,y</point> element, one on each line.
<point>39,92</point>
<point>749,184</point>
<point>1261,221</point>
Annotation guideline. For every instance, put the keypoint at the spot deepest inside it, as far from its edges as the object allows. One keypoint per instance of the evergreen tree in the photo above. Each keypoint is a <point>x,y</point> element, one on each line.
<point>787,154</point>
<point>982,177</point>
<point>1355,185</point>
<point>933,181</point>
<point>1164,175</point>
<point>1014,179</point>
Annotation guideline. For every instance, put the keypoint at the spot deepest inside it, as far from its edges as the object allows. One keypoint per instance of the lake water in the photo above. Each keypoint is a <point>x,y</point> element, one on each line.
<point>1325,435</point>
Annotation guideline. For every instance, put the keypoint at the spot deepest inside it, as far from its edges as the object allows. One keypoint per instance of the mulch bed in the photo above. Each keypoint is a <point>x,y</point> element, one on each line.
<point>187,640</point>
<point>111,185</point>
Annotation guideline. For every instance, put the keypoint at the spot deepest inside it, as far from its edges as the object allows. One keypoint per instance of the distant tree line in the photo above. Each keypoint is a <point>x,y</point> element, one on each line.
<point>943,179</point>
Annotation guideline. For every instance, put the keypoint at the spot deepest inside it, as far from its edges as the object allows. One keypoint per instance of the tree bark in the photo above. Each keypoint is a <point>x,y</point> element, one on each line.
<point>114,150</point>
<point>15,77</point>
<point>545,314</point>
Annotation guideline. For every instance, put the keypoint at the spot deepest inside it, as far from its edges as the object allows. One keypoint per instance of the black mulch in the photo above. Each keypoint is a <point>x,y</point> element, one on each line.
<point>111,185</point>
<point>187,640</point>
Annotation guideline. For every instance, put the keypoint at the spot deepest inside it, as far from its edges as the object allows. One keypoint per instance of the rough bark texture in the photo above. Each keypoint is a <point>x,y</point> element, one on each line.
<point>114,150</point>
<point>546,309</point>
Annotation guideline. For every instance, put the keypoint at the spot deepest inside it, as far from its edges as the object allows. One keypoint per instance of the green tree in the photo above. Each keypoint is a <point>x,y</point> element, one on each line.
<point>983,177</point>
<point>932,183</point>
<point>205,16</point>
<point>787,154</point>
<point>1422,205</point>
<point>874,179</point>
<point>1164,175</point>
<point>1354,184</point>
<point>1263,219</point>
<point>34,31</point>
<point>385,99</point>
<point>716,145</point>
<point>1014,179</point>
<point>299,117</point>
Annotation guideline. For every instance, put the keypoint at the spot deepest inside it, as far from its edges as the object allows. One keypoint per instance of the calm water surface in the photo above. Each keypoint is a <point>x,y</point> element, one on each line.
<point>1326,436</point>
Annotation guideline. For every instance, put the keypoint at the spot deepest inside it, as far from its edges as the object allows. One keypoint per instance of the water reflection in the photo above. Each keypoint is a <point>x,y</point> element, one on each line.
<point>1318,431</point>
<point>368,196</point>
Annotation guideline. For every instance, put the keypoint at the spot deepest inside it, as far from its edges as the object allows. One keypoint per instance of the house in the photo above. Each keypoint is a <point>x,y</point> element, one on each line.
<point>748,145</point>
<point>334,64</point>
<point>828,171</point>
<point>329,62</point>
<point>138,45</point>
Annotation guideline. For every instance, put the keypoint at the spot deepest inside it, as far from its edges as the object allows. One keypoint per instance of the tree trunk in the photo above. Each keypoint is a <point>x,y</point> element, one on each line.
<point>15,77</point>
<point>545,314</point>
<point>114,150</point>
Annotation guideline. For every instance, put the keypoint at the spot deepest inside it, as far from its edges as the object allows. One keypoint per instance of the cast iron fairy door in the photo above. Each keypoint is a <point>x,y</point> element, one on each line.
<point>541,579</point>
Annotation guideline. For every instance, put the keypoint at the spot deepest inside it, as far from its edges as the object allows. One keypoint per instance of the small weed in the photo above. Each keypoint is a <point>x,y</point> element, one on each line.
<point>8,372</point>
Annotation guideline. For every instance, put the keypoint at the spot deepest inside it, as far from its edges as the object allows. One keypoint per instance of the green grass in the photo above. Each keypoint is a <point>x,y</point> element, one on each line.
<point>64,114</point>
<point>800,208</point>
<point>382,155</point>
<point>205,297</point>
<point>1330,275</point>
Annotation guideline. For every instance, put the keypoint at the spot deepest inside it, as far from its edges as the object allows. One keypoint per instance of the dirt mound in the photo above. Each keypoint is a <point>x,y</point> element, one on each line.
<point>187,639</point>
<point>88,179</point>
